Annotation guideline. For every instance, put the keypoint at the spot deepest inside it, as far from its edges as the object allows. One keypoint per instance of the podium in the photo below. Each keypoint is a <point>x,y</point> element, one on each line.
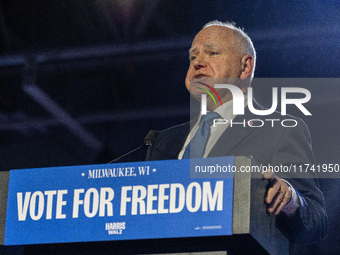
<point>139,208</point>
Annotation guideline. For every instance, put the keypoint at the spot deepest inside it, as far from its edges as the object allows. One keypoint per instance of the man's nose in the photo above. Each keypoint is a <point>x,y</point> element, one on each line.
<point>199,61</point>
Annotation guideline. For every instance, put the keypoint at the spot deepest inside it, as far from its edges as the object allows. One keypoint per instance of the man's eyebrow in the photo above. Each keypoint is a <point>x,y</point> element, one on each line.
<point>192,49</point>
<point>206,45</point>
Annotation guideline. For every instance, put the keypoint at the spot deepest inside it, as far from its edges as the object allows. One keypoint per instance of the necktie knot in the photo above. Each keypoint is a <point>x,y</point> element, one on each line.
<point>210,117</point>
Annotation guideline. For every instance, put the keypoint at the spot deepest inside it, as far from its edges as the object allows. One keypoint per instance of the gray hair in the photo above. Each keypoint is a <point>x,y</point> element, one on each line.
<point>242,41</point>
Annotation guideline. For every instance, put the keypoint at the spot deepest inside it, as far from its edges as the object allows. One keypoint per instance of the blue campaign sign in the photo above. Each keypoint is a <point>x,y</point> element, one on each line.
<point>126,201</point>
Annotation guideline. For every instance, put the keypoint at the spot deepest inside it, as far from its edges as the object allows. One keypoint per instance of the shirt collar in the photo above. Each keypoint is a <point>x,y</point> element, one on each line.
<point>226,109</point>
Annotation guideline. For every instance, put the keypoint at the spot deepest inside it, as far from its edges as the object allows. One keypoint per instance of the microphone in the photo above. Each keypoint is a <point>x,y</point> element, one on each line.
<point>150,137</point>
<point>148,140</point>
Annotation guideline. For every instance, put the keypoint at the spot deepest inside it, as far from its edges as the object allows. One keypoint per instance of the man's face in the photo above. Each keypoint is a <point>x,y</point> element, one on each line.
<point>212,55</point>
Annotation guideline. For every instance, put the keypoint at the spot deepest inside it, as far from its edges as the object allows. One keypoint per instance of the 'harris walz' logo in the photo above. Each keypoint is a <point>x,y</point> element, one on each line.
<point>115,228</point>
<point>238,99</point>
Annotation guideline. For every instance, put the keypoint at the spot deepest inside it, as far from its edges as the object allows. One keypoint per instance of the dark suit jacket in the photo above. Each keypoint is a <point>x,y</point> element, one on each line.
<point>268,145</point>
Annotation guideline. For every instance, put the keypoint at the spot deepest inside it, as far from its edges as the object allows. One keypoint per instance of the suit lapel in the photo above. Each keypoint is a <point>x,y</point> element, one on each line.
<point>171,145</point>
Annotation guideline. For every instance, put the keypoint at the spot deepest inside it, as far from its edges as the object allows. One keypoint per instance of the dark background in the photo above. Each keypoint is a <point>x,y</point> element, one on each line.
<point>82,82</point>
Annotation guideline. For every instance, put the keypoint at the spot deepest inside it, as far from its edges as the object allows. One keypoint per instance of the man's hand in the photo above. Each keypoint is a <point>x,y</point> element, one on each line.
<point>278,195</point>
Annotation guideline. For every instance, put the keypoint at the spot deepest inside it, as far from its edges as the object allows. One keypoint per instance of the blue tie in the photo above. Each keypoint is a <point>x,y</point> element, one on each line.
<point>197,144</point>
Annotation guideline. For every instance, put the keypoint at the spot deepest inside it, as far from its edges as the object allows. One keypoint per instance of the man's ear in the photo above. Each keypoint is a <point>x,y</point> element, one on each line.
<point>247,65</point>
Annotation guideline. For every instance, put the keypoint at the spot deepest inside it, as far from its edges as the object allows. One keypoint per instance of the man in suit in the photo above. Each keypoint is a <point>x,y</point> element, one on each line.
<point>220,50</point>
